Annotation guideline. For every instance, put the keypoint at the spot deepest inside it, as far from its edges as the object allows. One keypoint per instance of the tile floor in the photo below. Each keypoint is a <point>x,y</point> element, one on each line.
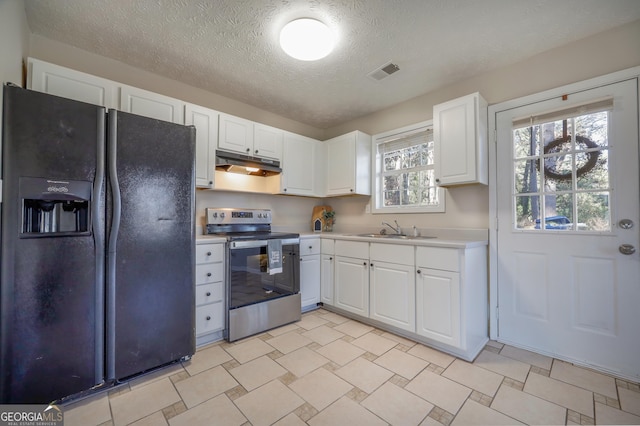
<point>330,370</point>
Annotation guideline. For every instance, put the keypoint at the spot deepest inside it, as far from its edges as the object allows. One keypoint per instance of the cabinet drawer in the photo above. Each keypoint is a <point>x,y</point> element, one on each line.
<point>209,293</point>
<point>352,249</point>
<point>209,318</point>
<point>445,259</point>
<point>400,254</point>
<point>309,246</point>
<point>209,253</point>
<point>327,246</point>
<point>209,273</point>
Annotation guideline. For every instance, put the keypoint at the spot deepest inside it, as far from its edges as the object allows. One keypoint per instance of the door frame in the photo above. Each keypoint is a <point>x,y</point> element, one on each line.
<point>493,199</point>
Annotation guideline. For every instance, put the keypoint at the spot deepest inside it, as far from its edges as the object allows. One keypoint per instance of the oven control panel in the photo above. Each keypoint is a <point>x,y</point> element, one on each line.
<point>223,216</point>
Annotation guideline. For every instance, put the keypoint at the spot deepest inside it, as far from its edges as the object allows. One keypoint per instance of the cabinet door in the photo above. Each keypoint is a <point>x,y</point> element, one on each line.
<point>267,141</point>
<point>341,163</point>
<point>326,279</point>
<point>71,84</point>
<point>352,285</point>
<point>152,105</point>
<point>298,165</point>
<point>235,134</point>
<point>206,123</point>
<point>438,305</point>
<point>459,134</point>
<point>393,289</point>
<point>310,280</point>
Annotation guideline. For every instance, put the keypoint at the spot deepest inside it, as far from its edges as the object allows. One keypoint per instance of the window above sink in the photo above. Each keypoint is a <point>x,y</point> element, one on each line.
<point>404,179</point>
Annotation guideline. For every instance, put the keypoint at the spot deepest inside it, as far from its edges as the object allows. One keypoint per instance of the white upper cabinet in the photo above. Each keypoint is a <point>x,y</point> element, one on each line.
<point>460,141</point>
<point>301,161</point>
<point>348,169</point>
<point>246,137</point>
<point>152,105</point>
<point>205,121</point>
<point>267,141</point>
<point>71,84</point>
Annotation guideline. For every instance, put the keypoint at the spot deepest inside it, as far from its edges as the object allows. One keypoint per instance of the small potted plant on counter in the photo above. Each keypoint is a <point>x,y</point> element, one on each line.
<point>329,220</point>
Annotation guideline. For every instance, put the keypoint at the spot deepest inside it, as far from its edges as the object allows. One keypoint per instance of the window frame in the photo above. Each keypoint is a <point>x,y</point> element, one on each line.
<point>377,197</point>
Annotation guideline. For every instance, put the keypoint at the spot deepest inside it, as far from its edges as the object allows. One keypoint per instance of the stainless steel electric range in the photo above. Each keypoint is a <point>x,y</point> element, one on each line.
<point>262,270</point>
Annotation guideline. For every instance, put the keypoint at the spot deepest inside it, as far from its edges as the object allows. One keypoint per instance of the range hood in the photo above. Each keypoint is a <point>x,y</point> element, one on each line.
<point>247,165</point>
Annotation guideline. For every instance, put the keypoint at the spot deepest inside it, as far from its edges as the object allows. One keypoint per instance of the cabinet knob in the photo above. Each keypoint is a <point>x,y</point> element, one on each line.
<point>248,149</point>
<point>331,258</point>
<point>208,318</point>
<point>351,190</point>
<point>208,253</point>
<point>208,293</point>
<point>419,271</point>
<point>437,180</point>
<point>310,247</point>
<point>210,182</point>
<point>364,263</point>
<point>371,264</point>
<point>208,274</point>
<point>256,151</point>
<point>285,190</point>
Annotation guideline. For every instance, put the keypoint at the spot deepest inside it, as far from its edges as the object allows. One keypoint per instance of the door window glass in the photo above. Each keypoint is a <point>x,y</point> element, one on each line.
<point>561,171</point>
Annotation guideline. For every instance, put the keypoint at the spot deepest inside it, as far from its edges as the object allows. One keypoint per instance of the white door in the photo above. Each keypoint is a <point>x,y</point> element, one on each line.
<point>568,207</point>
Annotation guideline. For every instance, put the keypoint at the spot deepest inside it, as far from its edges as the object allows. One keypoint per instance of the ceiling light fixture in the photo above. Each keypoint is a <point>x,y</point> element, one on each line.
<point>307,39</point>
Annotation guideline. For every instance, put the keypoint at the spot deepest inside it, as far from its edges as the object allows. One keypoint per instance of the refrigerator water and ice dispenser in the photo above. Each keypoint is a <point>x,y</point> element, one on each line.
<point>54,207</point>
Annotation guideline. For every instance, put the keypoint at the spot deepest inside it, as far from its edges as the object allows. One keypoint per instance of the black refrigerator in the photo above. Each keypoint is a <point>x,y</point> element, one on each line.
<point>97,231</point>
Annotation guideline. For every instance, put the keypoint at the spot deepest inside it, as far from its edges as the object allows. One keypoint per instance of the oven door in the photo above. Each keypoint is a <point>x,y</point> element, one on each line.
<point>248,275</point>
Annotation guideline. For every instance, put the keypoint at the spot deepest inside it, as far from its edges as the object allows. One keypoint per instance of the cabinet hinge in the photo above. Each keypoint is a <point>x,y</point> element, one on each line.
<point>495,136</point>
<point>497,313</point>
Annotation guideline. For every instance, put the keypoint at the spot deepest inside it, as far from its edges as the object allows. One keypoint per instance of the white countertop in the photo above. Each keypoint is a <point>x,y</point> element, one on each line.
<point>450,238</point>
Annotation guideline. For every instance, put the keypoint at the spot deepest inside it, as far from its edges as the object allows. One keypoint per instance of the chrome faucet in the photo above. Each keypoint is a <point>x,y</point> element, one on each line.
<point>396,228</point>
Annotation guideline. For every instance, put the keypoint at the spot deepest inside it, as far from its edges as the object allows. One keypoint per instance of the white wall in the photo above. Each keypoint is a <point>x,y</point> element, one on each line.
<point>14,44</point>
<point>14,40</point>
<point>467,206</point>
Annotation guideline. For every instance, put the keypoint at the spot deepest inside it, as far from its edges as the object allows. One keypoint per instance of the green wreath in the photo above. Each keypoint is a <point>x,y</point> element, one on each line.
<point>553,147</point>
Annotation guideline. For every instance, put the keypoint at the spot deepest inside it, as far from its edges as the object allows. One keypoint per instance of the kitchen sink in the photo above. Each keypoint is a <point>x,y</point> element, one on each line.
<point>395,236</point>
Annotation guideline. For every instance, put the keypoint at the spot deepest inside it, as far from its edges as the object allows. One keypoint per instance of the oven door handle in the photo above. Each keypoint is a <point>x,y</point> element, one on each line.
<point>235,245</point>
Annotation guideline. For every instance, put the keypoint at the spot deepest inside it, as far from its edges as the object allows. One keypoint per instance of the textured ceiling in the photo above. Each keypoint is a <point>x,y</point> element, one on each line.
<point>230,47</point>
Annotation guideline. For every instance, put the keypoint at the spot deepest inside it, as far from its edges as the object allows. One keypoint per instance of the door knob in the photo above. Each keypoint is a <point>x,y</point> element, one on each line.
<point>626,224</point>
<point>627,249</point>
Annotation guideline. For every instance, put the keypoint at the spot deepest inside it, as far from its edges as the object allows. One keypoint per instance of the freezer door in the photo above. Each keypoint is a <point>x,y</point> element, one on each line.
<point>150,268</point>
<point>50,298</point>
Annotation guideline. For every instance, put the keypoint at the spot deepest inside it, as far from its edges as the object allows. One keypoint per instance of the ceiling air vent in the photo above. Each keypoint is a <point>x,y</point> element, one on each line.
<point>383,72</point>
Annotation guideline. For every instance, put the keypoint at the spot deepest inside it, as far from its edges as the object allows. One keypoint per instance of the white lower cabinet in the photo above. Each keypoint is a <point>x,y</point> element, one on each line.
<point>436,295</point>
<point>451,294</point>
<point>352,284</point>
<point>351,276</point>
<point>309,272</point>
<point>327,269</point>
<point>438,300</point>
<point>210,305</point>
<point>393,285</point>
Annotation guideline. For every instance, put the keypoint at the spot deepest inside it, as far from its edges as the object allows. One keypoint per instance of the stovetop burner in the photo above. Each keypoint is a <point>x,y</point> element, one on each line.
<point>236,236</point>
<point>243,224</point>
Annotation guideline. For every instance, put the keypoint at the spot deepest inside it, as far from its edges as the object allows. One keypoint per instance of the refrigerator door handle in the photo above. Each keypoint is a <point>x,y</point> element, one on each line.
<point>113,239</point>
<point>97,225</point>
